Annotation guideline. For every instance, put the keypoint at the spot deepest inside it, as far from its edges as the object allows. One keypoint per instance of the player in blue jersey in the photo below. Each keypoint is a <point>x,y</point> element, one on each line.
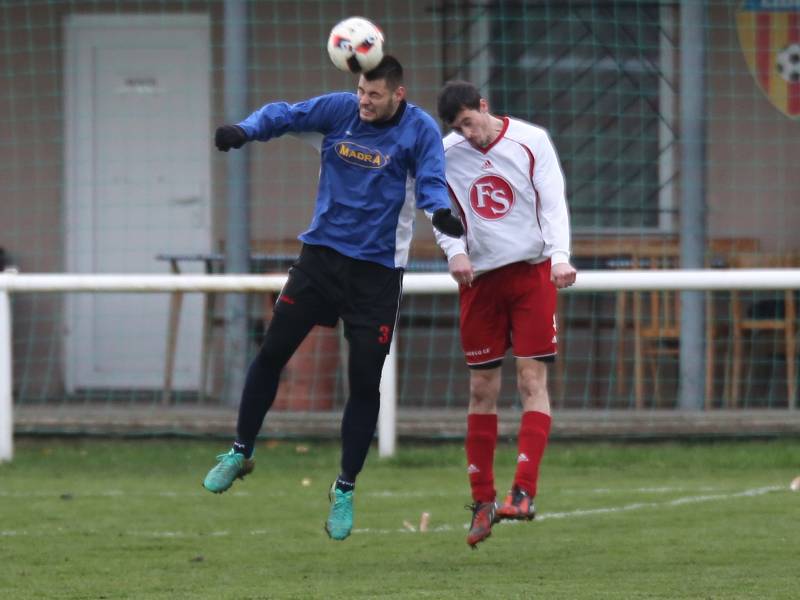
<point>374,145</point>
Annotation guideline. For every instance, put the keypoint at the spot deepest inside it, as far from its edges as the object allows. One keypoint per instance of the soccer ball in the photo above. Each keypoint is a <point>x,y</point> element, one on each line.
<point>355,45</point>
<point>788,63</point>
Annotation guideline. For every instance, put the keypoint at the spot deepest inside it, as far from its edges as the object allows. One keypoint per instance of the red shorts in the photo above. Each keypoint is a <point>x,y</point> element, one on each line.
<point>510,307</point>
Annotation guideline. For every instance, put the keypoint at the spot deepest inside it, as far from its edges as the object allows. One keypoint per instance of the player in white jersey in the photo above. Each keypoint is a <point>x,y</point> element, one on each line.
<point>506,180</point>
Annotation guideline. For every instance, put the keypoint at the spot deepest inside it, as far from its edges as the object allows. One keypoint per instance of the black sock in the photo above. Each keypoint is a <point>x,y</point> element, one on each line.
<point>345,484</point>
<point>243,448</point>
<point>283,336</point>
<point>360,416</point>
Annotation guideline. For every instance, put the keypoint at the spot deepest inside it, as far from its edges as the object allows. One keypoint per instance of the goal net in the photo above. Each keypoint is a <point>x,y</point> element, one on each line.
<point>676,124</point>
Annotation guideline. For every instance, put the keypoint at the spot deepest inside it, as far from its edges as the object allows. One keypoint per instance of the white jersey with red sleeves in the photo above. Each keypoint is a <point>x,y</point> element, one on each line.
<point>511,198</point>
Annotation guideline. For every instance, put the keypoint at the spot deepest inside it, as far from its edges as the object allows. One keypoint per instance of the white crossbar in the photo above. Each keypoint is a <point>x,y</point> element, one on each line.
<point>413,283</point>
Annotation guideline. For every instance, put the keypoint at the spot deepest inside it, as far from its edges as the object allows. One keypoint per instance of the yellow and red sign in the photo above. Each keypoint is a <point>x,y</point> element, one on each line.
<point>769,34</point>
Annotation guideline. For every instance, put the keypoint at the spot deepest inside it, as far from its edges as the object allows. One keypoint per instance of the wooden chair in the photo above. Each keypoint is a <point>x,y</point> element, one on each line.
<point>263,253</point>
<point>656,314</point>
<point>745,319</point>
<point>656,320</point>
<point>606,252</point>
<point>722,253</point>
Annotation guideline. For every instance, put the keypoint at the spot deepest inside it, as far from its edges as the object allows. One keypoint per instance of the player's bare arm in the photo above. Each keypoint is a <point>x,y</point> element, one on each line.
<point>562,275</point>
<point>461,269</point>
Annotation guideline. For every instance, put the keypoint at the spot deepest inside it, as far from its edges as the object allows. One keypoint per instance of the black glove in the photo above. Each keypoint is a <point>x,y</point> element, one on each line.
<point>446,222</point>
<point>229,136</point>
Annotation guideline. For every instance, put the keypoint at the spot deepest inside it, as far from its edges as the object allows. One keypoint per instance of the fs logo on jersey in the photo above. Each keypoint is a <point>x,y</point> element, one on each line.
<point>362,156</point>
<point>491,197</point>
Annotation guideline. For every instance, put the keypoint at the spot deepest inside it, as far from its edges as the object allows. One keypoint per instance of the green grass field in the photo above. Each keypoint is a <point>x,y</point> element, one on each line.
<point>129,519</point>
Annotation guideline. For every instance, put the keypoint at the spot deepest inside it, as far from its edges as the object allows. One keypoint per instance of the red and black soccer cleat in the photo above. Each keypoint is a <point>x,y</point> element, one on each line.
<point>483,514</point>
<point>518,506</point>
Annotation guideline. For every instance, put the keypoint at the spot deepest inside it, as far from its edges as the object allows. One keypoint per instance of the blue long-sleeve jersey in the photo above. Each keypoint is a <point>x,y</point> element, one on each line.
<point>363,209</point>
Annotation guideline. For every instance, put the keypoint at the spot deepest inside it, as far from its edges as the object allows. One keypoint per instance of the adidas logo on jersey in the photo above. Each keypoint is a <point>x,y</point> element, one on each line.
<point>522,457</point>
<point>472,469</point>
<point>487,164</point>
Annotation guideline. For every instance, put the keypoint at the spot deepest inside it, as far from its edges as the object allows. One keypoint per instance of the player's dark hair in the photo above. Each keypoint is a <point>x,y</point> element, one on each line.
<point>390,70</point>
<point>455,97</point>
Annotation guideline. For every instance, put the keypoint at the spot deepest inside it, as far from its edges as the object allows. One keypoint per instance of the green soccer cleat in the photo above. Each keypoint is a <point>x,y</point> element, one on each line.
<point>340,518</point>
<point>230,466</point>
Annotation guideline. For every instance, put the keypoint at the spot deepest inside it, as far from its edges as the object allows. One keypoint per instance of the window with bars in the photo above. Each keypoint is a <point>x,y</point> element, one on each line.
<point>598,76</point>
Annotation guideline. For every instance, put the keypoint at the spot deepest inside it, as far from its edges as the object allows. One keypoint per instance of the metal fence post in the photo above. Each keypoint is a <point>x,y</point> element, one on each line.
<point>387,418</point>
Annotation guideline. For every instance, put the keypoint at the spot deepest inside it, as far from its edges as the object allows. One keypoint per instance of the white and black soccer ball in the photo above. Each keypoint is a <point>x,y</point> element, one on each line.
<point>355,45</point>
<point>788,63</point>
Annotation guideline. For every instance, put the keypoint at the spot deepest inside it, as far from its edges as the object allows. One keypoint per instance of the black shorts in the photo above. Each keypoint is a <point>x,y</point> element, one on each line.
<point>326,286</point>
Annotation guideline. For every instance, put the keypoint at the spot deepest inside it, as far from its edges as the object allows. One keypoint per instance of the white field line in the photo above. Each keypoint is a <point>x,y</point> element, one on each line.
<point>410,528</point>
<point>669,503</point>
<point>644,490</point>
<point>606,510</point>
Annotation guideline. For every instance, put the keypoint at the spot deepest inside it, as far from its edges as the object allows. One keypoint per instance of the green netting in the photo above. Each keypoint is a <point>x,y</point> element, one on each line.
<point>106,165</point>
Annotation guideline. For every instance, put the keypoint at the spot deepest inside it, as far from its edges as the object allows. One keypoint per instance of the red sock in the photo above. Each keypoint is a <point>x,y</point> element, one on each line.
<point>480,444</point>
<point>533,433</point>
